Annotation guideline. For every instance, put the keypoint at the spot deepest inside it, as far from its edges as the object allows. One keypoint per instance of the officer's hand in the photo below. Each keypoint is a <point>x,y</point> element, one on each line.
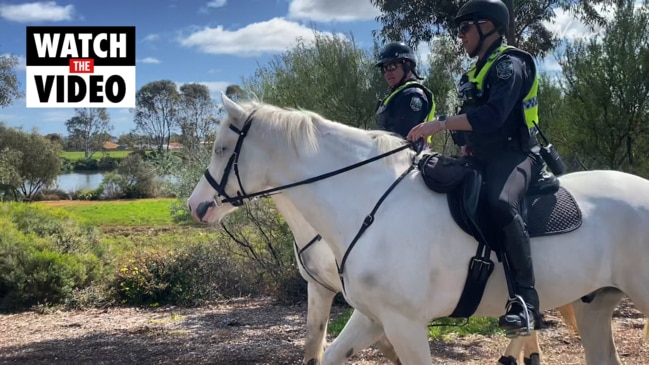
<point>423,130</point>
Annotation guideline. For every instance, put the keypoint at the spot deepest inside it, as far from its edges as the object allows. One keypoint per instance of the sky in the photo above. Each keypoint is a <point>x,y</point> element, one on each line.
<point>212,42</point>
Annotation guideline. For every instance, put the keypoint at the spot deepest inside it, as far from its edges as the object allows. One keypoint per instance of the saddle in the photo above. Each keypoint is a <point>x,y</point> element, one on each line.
<point>547,209</point>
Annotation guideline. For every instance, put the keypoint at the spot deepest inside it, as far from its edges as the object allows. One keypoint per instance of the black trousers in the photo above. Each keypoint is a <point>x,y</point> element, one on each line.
<point>507,178</point>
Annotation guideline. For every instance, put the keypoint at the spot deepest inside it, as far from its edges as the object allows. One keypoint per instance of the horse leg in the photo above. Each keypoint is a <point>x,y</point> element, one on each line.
<point>409,338</point>
<point>359,333</point>
<point>595,326</point>
<point>532,349</point>
<point>513,350</point>
<point>319,307</point>
<point>386,348</point>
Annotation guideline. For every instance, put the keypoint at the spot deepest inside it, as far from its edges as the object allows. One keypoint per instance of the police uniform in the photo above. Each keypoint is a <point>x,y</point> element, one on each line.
<point>499,99</point>
<point>406,106</point>
<point>498,95</point>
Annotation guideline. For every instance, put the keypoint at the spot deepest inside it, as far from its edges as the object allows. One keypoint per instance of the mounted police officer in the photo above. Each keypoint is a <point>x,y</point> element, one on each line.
<point>496,125</point>
<point>409,102</point>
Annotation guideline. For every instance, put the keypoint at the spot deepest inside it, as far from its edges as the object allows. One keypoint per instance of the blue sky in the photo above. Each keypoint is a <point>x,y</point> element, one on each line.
<point>214,42</point>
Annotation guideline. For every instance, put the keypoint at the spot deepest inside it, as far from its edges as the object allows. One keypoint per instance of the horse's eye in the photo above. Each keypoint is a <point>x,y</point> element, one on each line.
<point>219,150</point>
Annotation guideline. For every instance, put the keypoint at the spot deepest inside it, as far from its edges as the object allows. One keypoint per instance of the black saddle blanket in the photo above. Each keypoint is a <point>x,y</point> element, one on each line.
<point>544,214</point>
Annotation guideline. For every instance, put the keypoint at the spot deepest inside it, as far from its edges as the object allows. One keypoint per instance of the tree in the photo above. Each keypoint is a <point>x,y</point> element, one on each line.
<point>156,111</point>
<point>195,117</point>
<point>419,20</point>
<point>34,159</point>
<point>330,75</point>
<point>9,86</point>
<point>607,89</point>
<point>89,125</point>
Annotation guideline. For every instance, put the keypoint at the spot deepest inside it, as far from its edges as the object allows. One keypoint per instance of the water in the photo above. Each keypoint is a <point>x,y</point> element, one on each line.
<point>79,180</point>
<point>76,181</point>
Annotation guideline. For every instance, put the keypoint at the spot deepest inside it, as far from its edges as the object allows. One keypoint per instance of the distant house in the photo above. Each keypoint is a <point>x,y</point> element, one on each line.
<point>175,145</point>
<point>108,145</point>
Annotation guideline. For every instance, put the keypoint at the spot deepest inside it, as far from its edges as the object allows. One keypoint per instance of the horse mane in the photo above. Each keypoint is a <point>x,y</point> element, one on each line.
<point>301,129</point>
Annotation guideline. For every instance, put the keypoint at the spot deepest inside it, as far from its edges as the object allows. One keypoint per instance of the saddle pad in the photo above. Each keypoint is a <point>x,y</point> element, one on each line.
<point>552,213</point>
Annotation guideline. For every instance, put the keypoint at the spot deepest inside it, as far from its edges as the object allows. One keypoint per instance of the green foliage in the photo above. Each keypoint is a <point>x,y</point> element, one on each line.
<point>33,158</point>
<point>607,91</point>
<point>90,126</point>
<point>331,76</point>
<point>140,177</point>
<point>9,85</point>
<point>44,257</point>
<point>187,276</point>
<point>156,111</point>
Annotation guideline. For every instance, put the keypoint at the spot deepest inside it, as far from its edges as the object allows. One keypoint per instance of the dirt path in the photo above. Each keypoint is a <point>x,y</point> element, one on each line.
<point>246,331</point>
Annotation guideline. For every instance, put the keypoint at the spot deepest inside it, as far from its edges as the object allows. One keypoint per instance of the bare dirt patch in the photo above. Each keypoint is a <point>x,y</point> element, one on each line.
<point>247,331</point>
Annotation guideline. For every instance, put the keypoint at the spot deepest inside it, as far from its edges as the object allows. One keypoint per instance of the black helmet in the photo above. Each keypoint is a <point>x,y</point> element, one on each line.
<point>494,10</point>
<point>396,51</point>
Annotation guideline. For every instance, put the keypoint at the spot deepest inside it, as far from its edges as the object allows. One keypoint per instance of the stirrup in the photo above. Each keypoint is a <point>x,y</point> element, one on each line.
<point>523,331</point>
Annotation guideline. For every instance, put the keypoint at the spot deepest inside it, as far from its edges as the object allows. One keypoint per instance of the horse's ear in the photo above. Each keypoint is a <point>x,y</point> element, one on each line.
<point>233,109</point>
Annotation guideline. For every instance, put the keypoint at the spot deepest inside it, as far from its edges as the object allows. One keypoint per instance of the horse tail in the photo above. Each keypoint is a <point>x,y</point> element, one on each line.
<point>646,329</point>
<point>568,314</point>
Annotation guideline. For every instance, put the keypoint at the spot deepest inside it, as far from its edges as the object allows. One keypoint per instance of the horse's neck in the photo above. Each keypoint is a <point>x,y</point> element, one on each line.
<point>335,207</point>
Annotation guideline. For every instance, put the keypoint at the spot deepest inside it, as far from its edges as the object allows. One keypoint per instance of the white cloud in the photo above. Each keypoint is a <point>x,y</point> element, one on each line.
<point>216,3</point>
<point>36,12</point>
<point>332,10</point>
<point>275,35</point>
<point>566,26</point>
<point>149,60</point>
<point>550,65</point>
<point>151,37</point>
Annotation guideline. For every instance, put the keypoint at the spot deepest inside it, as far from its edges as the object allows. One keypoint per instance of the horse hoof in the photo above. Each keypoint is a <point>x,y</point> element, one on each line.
<point>534,359</point>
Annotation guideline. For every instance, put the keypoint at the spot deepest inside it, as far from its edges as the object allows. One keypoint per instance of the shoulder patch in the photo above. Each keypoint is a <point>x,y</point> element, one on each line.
<point>505,69</point>
<point>416,103</point>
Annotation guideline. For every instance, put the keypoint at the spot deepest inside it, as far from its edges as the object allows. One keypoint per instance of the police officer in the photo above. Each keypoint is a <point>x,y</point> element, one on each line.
<point>496,122</point>
<point>409,102</point>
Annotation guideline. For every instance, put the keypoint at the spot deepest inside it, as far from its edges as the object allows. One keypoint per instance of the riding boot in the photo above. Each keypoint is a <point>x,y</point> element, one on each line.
<point>519,257</point>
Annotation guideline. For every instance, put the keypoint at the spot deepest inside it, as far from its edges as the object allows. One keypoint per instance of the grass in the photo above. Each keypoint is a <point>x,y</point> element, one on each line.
<point>142,212</point>
<point>441,329</point>
<point>78,155</point>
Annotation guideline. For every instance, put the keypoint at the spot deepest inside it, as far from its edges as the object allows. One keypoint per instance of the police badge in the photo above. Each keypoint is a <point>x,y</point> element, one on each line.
<point>416,103</point>
<point>505,69</point>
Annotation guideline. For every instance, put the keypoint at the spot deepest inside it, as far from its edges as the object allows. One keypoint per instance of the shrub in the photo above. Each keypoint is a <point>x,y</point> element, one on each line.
<point>85,164</point>
<point>33,272</point>
<point>188,276</point>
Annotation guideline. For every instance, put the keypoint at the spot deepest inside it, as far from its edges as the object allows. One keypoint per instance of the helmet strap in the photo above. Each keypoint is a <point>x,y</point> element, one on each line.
<point>482,36</point>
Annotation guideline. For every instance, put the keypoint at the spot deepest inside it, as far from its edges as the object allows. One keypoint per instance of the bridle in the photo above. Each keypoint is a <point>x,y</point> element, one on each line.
<point>233,165</point>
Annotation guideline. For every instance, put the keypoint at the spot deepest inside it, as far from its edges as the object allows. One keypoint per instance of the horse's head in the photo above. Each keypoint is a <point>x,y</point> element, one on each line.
<point>237,165</point>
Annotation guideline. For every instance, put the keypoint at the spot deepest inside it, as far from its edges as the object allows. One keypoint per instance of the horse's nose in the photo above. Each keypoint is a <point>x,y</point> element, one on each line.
<point>202,209</point>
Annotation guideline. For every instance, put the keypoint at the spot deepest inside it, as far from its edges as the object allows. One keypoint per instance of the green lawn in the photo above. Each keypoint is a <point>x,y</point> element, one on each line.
<point>78,155</point>
<point>143,212</point>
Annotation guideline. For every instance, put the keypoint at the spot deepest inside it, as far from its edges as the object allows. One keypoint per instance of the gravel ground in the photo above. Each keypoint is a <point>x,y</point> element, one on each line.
<point>247,331</point>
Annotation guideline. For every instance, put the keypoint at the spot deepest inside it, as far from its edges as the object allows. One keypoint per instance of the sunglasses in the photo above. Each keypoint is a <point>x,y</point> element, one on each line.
<point>465,26</point>
<point>390,67</point>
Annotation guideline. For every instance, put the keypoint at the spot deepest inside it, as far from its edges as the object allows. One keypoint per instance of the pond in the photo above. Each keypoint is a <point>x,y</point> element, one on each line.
<point>75,181</point>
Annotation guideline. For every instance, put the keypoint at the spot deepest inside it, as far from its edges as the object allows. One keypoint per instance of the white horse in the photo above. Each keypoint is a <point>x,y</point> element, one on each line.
<point>411,266</point>
<point>317,266</point>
